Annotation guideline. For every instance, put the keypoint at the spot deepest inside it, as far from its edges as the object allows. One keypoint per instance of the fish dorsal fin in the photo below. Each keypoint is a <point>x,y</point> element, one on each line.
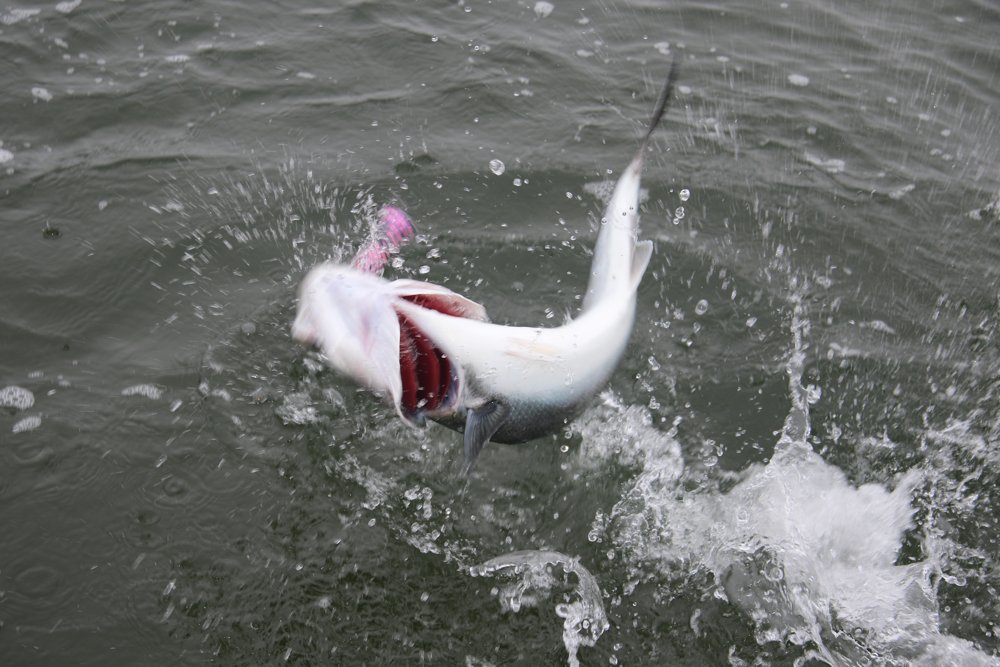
<point>480,425</point>
<point>640,260</point>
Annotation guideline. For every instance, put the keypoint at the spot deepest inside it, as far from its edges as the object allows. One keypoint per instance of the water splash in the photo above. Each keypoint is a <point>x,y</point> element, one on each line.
<point>584,619</point>
<point>810,559</point>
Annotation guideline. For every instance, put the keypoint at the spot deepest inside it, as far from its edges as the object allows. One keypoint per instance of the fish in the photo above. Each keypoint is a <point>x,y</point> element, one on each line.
<point>434,354</point>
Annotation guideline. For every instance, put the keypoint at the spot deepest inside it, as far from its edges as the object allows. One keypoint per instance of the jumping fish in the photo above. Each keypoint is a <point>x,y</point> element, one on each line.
<point>434,354</point>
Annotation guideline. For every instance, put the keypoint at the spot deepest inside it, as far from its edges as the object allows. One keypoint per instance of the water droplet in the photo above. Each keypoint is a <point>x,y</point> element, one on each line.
<point>701,308</point>
<point>497,167</point>
<point>679,213</point>
<point>798,79</point>
<point>517,182</point>
<point>424,269</point>
<point>685,194</point>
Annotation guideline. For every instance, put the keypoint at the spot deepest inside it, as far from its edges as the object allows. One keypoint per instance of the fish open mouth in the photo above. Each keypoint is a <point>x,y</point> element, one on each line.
<point>430,381</point>
<point>381,334</point>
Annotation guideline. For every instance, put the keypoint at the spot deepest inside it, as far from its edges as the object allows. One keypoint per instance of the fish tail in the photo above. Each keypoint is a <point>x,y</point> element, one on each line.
<point>664,102</point>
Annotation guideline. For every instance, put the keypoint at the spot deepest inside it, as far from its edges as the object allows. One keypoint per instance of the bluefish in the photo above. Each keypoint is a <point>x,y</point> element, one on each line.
<point>434,354</point>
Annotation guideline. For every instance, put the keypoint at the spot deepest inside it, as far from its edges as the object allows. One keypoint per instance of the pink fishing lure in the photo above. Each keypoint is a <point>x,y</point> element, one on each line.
<point>394,228</point>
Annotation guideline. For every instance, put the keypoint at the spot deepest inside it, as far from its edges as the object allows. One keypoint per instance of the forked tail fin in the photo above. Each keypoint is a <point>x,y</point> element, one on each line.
<point>664,102</point>
<point>619,260</point>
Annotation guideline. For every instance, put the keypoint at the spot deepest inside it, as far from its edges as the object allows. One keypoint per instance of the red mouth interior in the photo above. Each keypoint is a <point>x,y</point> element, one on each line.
<point>425,370</point>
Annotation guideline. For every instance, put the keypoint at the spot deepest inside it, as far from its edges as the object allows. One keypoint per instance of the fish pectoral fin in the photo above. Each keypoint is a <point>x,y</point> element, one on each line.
<point>480,425</point>
<point>640,260</point>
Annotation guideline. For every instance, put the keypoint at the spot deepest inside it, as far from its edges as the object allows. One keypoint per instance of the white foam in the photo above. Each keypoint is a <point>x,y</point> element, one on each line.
<point>150,391</point>
<point>68,6</point>
<point>832,165</point>
<point>902,191</point>
<point>27,424</point>
<point>798,80</point>
<point>878,325</point>
<point>16,397</point>
<point>297,409</point>
<point>612,430</point>
<point>16,15</point>
<point>42,94</point>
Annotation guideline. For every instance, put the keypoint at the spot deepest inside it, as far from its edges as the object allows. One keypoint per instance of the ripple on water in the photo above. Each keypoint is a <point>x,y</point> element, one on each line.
<point>178,483</point>
<point>32,452</point>
<point>37,581</point>
<point>143,530</point>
